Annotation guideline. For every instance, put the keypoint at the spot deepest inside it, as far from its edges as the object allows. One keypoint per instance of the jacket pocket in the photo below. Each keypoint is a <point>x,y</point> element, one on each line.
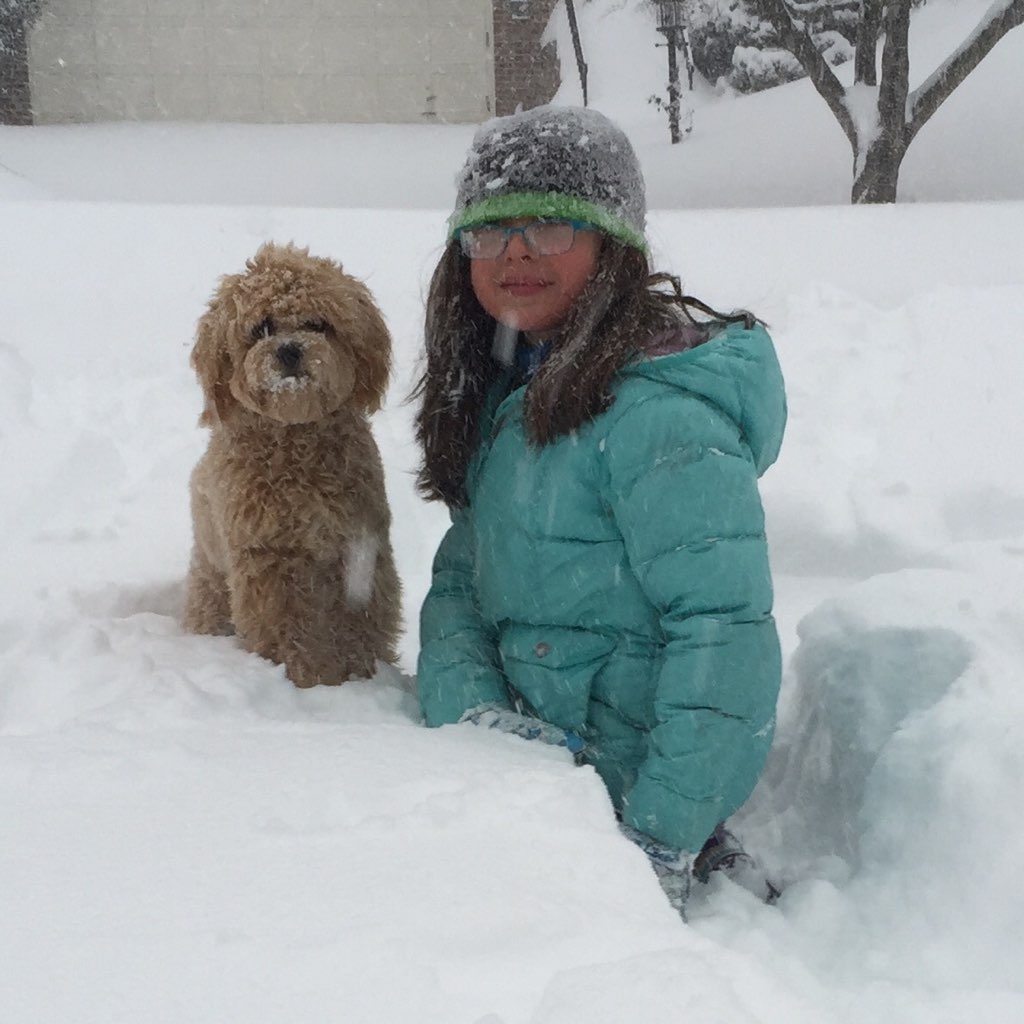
<point>553,668</point>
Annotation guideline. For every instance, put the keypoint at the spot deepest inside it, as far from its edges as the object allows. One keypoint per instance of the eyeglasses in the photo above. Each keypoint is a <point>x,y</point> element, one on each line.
<point>542,238</point>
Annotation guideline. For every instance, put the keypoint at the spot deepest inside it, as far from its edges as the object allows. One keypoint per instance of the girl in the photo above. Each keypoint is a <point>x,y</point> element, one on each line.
<point>605,581</point>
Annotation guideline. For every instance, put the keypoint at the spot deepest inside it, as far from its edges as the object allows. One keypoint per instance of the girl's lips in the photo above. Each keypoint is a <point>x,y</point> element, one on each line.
<point>523,288</point>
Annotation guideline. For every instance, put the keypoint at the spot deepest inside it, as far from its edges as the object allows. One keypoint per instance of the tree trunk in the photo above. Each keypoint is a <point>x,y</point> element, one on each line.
<point>880,170</point>
<point>876,178</point>
<point>15,97</point>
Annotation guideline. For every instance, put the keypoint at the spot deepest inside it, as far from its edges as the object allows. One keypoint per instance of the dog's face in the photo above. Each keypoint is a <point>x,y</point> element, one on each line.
<point>292,339</point>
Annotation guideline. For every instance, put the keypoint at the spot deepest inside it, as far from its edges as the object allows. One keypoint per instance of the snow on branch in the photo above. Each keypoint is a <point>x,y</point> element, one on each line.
<point>1002,16</point>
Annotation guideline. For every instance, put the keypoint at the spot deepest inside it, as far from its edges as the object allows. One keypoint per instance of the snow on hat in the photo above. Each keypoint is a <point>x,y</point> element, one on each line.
<point>569,163</point>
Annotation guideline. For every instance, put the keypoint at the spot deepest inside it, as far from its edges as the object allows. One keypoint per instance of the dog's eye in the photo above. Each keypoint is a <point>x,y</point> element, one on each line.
<point>264,329</point>
<point>317,326</point>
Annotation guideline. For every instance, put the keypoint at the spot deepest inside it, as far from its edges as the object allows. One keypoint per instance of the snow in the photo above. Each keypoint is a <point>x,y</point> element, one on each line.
<point>188,837</point>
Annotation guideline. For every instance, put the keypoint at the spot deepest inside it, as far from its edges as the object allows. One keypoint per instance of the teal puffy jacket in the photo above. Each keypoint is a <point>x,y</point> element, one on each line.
<point>616,584</point>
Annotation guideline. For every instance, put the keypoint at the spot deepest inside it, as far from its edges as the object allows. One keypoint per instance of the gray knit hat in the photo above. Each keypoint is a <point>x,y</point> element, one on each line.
<point>570,163</point>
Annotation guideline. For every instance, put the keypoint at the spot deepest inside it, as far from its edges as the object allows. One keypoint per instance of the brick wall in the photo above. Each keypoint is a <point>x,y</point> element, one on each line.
<point>524,73</point>
<point>15,99</point>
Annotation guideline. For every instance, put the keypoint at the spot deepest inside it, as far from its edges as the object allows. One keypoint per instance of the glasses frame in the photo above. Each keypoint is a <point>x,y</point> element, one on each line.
<point>508,231</point>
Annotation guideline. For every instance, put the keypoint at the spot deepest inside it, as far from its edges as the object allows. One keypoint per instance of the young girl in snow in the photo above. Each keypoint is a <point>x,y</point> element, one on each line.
<point>598,438</point>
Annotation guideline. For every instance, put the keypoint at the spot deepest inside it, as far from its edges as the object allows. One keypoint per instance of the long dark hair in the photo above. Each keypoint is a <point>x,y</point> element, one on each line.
<point>621,308</point>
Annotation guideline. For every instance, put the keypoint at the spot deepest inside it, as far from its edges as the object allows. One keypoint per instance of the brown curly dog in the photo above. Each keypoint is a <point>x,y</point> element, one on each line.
<point>291,522</point>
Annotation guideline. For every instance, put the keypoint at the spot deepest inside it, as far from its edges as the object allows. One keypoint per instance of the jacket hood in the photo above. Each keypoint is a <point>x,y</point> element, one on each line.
<point>736,370</point>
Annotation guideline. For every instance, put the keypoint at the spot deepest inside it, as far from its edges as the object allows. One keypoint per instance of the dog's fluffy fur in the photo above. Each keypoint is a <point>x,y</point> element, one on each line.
<point>291,522</point>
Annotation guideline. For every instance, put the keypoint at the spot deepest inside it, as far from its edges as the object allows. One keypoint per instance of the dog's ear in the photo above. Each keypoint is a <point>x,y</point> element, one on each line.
<point>212,363</point>
<point>371,349</point>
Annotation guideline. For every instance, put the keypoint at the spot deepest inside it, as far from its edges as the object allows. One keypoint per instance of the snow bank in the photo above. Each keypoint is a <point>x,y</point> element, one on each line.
<point>189,836</point>
<point>16,186</point>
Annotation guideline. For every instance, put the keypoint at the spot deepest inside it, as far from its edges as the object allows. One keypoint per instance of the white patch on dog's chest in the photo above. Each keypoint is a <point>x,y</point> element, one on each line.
<point>360,569</point>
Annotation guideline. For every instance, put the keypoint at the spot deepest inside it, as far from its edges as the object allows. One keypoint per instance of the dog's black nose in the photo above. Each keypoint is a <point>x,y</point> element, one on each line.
<point>289,356</point>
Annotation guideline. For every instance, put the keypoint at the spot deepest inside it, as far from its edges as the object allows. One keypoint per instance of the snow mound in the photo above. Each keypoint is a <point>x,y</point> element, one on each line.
<point>898,764</point>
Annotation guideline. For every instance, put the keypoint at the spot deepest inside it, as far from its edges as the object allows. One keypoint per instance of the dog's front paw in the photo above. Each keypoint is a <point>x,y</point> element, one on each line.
<point>302,666</point>
<point>305,672</point>
<point>207,606</point>
<point>206,619</point>
<point>304,675</point>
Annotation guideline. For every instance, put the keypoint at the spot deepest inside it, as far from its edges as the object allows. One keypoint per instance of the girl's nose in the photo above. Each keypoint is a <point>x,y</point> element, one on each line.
<point>516,247</point>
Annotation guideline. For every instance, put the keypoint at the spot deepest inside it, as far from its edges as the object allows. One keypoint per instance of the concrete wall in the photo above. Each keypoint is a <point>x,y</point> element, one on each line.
<point>263,60</point>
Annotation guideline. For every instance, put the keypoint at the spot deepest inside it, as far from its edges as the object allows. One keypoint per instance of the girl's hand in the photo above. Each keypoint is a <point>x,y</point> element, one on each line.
<point>493,716</point>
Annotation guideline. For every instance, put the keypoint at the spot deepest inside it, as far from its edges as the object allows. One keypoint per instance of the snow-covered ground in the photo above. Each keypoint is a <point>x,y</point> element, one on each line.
<point>186,837</point>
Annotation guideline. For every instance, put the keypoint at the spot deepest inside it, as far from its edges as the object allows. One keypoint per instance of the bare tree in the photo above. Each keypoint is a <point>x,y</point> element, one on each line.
<point>879,113</point>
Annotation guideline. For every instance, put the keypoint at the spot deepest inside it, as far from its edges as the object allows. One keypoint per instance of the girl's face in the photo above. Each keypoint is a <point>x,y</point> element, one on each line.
<point>531,292</point>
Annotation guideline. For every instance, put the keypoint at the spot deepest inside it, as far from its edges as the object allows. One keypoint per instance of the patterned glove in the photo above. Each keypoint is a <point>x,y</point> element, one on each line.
<point>493,716</point>
<point>672,866</point>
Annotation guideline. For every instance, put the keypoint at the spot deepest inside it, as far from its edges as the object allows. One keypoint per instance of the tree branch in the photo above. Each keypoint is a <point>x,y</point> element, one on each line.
<point>795,38</point>
<point>893,89</point>
<point>865,70</point>
<point>1002,16</point>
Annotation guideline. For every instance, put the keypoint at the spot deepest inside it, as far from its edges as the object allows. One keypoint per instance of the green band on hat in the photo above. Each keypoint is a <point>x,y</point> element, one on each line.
<point>548,205</point>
